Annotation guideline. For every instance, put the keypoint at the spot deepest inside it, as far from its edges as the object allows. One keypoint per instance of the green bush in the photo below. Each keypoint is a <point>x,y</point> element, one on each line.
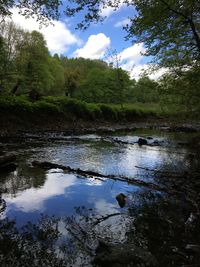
<point>108,112</point>
<point>76,108</point>
<point>44,107</point>
<point>129,114</point>
<point>73,109</point>
<point>15,104</point>
<point>94,111</point>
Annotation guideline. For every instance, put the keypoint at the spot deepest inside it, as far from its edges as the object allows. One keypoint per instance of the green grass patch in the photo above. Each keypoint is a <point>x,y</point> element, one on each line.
<point>71,109</point>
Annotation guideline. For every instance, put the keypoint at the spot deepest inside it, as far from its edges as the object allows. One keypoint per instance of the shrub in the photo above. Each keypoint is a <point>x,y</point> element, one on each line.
<point>94,111</point>
<point>45,107</point>
<point>15,104</point>
<point>108,112</point>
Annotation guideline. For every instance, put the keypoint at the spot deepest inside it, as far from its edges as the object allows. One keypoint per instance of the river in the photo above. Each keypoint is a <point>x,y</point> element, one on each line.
<point>65,218</point>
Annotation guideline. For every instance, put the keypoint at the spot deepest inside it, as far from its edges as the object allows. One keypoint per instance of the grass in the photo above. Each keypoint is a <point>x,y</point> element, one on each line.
<point>68,109</point>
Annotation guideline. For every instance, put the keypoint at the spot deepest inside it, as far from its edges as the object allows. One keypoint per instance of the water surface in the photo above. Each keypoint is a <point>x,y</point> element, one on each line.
<point>81,204</point>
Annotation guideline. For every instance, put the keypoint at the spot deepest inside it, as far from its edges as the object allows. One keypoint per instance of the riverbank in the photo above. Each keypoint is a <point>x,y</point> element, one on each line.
<point>19,116</point>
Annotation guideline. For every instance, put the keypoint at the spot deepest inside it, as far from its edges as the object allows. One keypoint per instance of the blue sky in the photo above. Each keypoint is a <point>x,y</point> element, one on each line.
<point>96,42</point>
<point>112,27</point>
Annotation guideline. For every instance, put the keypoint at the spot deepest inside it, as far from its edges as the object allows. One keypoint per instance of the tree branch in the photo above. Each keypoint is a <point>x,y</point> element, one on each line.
<point>188,21</point>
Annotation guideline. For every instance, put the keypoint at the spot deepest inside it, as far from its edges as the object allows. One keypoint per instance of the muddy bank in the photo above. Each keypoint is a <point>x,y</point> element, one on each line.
<point>12,128</point>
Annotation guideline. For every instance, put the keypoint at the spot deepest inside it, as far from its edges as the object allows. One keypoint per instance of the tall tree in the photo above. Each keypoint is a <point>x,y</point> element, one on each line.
<point>33,63</point>
<point>57,86</point>
<point>102,86</point>
<point>170,30</point>
<point>145,90</point>
<point>11,36</point>
<point>3,53</point>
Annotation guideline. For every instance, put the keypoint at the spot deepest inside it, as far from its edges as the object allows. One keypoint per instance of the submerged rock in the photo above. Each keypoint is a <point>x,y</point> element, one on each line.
<point>121,199</point>
<point>142,141</point>
<point>7,163</point>
<point>10,167</point>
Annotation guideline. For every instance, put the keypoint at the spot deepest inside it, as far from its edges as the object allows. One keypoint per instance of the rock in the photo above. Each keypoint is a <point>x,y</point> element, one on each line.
<point>142,141</point>
<point>121,199</point>
<point>156,143</point>
<point>7,163</point>
<point>193,248</point>
<point>9,167</point>
<point>195,142</point>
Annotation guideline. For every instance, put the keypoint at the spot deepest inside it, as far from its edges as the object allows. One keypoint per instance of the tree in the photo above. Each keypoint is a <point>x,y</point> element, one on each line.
<point>145,90</point>
<point>182,91</point>
<point>57,77</point>
<point>71,81</point>
<point>121,77</point>
<point>44,10</point>
<point>3,53</point>
<point>170,29</point>
<point>102,86</point>
<point>11,38</point>
<point>33,64</point>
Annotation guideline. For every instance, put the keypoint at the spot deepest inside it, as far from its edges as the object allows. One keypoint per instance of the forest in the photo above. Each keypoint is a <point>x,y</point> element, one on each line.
<point>30,77</point>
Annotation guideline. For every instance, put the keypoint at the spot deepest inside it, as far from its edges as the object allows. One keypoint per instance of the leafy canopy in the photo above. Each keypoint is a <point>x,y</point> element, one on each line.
<point>170,29</point>
<point>44,10</point>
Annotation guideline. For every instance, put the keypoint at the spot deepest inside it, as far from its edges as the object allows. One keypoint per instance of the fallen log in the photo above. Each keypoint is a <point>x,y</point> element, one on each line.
<point>90,174</point>
<point>48,165</point>
<point>104,218</point>
<point>168,173</point>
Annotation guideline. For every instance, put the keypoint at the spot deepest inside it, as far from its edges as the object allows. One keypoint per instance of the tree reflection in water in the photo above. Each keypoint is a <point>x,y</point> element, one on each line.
<point>154,229</point>
<point>159,230</point>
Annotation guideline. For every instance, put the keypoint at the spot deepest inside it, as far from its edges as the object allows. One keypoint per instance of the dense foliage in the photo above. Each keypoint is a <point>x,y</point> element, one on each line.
<point>27,69</point>
<point>168,29</point>
<point>27,66</point>
<point>44,10</point>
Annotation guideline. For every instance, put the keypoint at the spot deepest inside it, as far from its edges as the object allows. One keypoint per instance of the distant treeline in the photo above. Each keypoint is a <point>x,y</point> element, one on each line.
<point>27,68</point>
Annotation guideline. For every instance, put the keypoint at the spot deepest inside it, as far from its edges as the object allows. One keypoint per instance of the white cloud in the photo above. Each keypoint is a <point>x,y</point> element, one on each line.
<point>131,59</point>
<point>107,11</point>
<point>57,36</point>
<point>133,53</point>
<point>34,198</point>
<point>122,23</point>
<point>95,47</point>
<point>137,71</point>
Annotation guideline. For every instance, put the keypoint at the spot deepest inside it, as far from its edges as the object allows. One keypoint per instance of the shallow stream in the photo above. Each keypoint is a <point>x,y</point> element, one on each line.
<point>76,215</point>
